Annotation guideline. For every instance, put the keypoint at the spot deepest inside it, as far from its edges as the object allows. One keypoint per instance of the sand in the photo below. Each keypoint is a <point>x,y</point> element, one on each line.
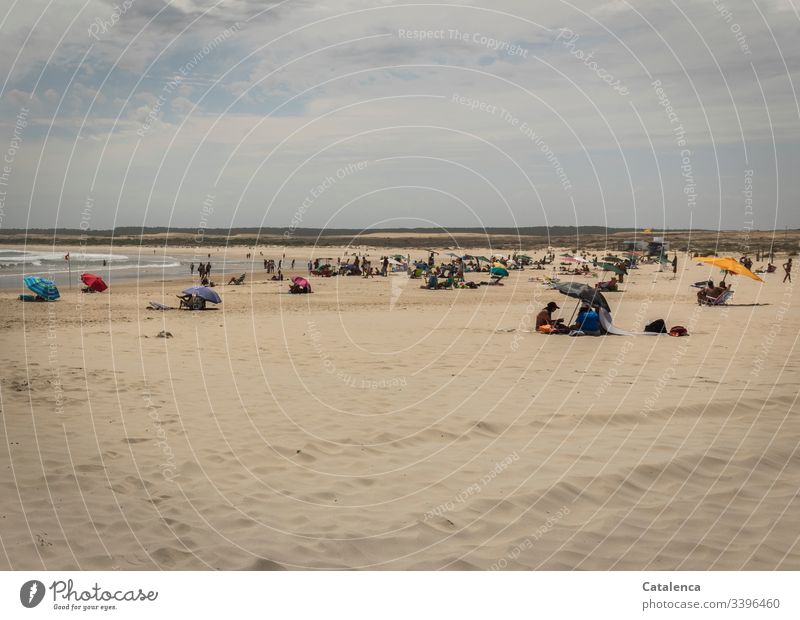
<point>374,425</point>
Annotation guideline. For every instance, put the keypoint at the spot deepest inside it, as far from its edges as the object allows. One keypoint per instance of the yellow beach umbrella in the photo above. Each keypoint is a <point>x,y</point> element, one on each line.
<point>731,265</point>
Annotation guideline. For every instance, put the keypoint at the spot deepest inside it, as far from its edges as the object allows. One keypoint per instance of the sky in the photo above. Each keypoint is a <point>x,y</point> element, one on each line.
<point>376,114</point>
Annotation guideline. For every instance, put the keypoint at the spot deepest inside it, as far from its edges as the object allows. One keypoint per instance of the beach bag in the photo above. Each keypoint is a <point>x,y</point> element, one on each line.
<point>656,327</point>
<point>678,330</point>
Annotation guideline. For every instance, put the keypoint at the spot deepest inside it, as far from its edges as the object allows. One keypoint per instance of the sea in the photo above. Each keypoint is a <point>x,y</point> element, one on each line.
<point>16,263</point>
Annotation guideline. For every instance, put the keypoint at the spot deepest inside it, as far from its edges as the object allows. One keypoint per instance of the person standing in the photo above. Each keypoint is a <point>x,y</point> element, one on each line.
<point>385,268</point>
<point>460,269</point>
<point>787,267</point>
<point>201,269</point>
<point>208,269</point>
<point>292,263</point>
<point>675,266</point>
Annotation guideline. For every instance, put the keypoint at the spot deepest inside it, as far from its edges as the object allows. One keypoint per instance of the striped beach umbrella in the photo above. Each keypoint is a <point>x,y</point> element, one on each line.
<point>44,288</point>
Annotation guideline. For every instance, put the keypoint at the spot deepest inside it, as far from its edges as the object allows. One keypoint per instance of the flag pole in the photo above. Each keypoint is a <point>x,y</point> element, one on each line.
<point>69,269</point>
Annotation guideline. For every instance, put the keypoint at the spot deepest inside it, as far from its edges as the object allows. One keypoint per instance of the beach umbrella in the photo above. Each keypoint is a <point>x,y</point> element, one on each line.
<point>300,281</point>
<point>610,267</point>
<point>729,265</point>
<point>94,282</point>
<point>453,255</point>
<point>575,259</point>
<point>44,288</point>
<point>483,258</point>
<point>584,292</point>
<point>499,271</point>
<point>421,265</point>
<point>203,292</point>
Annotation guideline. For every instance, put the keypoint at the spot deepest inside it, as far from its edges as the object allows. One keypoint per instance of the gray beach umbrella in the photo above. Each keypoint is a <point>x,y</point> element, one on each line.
<point>584,292</point>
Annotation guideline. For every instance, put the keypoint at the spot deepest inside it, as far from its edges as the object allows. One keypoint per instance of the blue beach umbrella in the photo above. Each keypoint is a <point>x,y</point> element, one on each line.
<point>203,292</point>
<point>46,289</point>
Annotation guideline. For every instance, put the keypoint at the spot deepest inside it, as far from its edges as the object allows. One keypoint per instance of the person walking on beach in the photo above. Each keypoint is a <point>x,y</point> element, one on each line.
<point>208,269</point>
<point>787,267</point>
<point>675,267</point>
<point>292,263</point>
<point>191,269</point>
<point>385,266</point>
<point>201,270</point>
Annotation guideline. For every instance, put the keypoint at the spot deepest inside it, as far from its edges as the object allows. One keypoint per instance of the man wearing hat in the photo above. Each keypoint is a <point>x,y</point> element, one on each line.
<point>545,317</point>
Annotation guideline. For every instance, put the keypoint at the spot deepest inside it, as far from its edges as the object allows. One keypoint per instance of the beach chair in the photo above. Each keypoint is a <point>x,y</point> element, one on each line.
<point>238,281</point>
<point>154,305</point>
<point>718,301</point>
<point>608,287</point>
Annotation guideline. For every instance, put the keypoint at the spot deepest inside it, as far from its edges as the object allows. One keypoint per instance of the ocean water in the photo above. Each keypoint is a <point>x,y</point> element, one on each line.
<point>16,264</point>
<point>144,265</point>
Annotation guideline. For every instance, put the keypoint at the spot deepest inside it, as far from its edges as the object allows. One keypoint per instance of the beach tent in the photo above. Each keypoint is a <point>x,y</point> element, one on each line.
<point>608,325</point>
<point>44,288</point>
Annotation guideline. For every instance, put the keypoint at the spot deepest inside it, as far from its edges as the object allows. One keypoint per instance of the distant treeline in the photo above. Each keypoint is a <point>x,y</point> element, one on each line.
<point>525,231</point>
<point>502,238</point>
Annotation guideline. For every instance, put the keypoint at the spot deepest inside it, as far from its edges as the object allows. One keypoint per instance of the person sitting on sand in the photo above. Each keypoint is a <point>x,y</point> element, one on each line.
<point>545,317</point>
<point>588,321</point>
<point>433,281</point>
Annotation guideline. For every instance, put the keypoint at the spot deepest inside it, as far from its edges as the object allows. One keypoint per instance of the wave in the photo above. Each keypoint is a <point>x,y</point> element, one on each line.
<point>11,258</point>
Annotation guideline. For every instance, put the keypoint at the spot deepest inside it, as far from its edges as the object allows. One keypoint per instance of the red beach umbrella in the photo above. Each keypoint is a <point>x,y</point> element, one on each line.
<point>94,282</point>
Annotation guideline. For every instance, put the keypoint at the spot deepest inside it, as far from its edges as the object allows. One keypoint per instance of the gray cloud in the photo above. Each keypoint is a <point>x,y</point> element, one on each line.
<point>254,94</point>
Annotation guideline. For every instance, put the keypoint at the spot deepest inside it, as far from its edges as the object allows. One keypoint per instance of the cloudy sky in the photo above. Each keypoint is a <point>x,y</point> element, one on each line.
<point>360,114</point>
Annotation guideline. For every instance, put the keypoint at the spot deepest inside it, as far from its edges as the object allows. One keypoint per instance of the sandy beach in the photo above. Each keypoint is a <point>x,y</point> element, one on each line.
<point>375,425</point>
